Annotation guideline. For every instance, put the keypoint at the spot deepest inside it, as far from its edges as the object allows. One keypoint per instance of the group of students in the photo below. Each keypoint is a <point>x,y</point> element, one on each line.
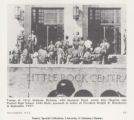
<point>69,51</point>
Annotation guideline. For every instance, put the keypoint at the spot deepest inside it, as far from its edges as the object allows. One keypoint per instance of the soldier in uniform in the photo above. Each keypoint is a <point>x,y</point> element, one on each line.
<point>81,47</point>
<point>51,50</point>
<point>87,57</point>
<point>60,55</point>
<point>83,93</point>
<point>98,54</point>
<point>68,54</point>
<point>17,54</point>
<point>58,43</point>
<point>75,56</point>
<point>34,57</point>
<point>88,44</point>
<point>105,46</point>
<point>32,42</point>
<point>42,55</point>
<point>24,56</point>
<point>65,88</point>
<point>21,41</point>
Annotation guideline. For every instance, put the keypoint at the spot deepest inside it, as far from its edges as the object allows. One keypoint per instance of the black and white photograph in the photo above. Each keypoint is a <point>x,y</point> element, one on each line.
<point>67,50</point>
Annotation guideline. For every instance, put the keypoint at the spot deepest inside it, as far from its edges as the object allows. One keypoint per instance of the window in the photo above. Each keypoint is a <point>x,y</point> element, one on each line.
<point>48,24</point>
<point>48,15</point>
<point>105,16</point>
<point>105,23</point>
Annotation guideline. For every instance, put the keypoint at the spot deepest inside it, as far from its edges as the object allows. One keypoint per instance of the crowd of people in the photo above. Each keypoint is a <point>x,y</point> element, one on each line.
<point>74,50</point>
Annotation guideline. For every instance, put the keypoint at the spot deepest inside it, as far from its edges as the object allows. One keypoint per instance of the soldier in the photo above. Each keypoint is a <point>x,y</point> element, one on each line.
<point>53,93</point>
<point>68,41</point>
<point>125,42</point>
<point>87,57</point>
<point>68,54</point>
<point>75,57</point>
<point>10,57</point>
<point>88,44</point>
<point>109,93</point>
<point>21,40</point>
<point>30,44</point>
<point>17,54</point>
<point>81,47</point>
<point>34,57</point>
<point>42,55</point>
<point>58,43</point>
<point>65,88</point>
<point>83,93</point>
<point>60,55</point>
<point>98,54</point>
<point>105,46</point>
<point>51,50</point>
<point>77,36</point>
<point>24,56</point>
<point>33,43</point>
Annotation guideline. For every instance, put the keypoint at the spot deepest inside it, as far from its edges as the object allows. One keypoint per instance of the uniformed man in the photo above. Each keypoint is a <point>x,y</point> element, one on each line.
<point>105,46</point>
<point>68,41</point>
<point>98,54</point>
<point>68,53</point>
<point>87,56</point>
<point>33,41</point>
<point>10,57</point>
<point>17,54</point>
<point>24,56</point>
<point>30,44</point>
<point>65,88</point>
<point>75,57</point>
<point>34,57</point>
<point>81,47</point>
<point>60,55</point>
<point>21,40</point>
<point>83,93</point>
<point>42,55</point>
<point>51,50</point>
<point>58,43</point>
<point>88,44</point>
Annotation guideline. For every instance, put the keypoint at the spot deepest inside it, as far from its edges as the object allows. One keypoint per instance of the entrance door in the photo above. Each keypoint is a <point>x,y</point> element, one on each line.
<point>104,23</point>
<point>41,32</point>
<point>95,33</point>
<point>47,33</point>
<point>48,23</point>
<point>52,34</point>
<point>55,32</point>
<point>109,35</point>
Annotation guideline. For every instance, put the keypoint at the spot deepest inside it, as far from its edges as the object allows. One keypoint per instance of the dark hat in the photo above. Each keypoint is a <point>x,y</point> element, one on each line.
<point>120,94</point>
<point>53,93</point>
<point>65,87</point>
<point>109,93</point>
<point>83,93</point>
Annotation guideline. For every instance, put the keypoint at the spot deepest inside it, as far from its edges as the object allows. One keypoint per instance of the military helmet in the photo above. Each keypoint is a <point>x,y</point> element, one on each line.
<point>83,93</point>
<point>65,87</point>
